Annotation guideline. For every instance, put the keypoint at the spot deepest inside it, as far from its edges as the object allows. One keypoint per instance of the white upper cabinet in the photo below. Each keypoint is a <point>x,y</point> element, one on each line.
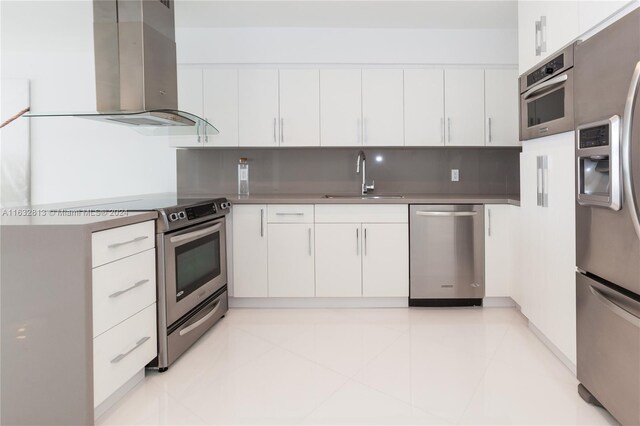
<point>341,107</point>
<point>211,94</point>
<point>221,106</point>
<point>591,13</point>
<point>424,107</point>
<point>501,107</point>
<point>190,99</point>
<point>382,107</point>
<point>258,107</point>
<point>299,107</point>
<point>464,107</point>
<point>543,28</point>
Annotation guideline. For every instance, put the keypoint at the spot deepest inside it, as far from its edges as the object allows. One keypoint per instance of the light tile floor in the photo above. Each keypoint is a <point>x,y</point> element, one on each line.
<point>362,366</point>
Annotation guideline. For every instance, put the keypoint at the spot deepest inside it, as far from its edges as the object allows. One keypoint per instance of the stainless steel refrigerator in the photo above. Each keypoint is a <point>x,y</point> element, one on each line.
<point>607,115</point>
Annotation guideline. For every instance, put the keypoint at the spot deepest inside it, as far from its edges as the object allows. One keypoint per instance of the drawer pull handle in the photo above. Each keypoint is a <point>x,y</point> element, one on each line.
<point>289,214</point>
<point>120,357</point>
<point>120,292</point>
<point>445,214</point>
<point>135,240</point>
<point>189,328</point>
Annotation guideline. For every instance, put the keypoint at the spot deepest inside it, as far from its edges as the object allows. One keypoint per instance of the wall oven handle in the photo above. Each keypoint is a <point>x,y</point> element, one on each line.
<point>551,82</point>
<point>135,240</point>
<point>445,214</point>
<point>613,307</point>
<point>122,356</point>
<point>120,292</point>
<point>196,234</point>
<point>627,127</point>
<point>202,320</point>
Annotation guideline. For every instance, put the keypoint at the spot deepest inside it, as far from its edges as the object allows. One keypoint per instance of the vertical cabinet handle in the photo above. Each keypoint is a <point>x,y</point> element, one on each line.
<point>539,181</point>
<point>359,132</point>
<point>489,225</point>
<point>309,241</point>
<point>198,132</point>
<point>538,37</point>
<point>206,136</point>
<point>545,179</point>
<point>281,130</point>
<point>490,136</point>
<point>543,34</point>
<point>365,241</point>
<point>262,222</point>
<point>449,129</point>
<point>357,242</point>
<point>274,130</point>
<point>442,130</point>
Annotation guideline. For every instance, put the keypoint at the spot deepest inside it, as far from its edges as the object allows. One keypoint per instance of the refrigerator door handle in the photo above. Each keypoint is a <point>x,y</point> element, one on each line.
<point>613,307</point>
<point>627,127</point>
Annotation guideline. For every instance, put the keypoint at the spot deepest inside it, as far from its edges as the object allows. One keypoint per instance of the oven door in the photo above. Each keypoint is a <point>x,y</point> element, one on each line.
<point>195,266</point>
<point>547,108</point>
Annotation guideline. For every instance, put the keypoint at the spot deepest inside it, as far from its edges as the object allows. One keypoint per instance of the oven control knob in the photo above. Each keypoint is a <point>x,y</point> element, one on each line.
<point>182,215</point>
<point>173,217</point>
<point>225,205</point>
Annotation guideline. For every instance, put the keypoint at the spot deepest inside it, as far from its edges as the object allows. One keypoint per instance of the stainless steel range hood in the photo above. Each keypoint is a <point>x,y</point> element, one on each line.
<point>136,71</point>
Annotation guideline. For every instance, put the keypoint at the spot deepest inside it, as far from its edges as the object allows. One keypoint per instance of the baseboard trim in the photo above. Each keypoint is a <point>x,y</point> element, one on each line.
<point>498,302</point>
<point>108,403</point>
<point>318,302</point>
<point>552,347</point>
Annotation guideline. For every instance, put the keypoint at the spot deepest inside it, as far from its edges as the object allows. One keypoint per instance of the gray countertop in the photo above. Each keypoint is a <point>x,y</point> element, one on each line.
<point>408,199</point>
<point>92,221</point>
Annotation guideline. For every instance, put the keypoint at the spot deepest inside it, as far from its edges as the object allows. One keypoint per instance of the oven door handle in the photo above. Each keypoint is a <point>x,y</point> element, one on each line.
<point>552,82</point>
<point>202,320</point>
<point>196,234</point>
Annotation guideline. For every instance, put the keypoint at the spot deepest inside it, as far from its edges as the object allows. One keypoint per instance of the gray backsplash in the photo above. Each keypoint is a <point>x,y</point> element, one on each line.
<point>490,171</point>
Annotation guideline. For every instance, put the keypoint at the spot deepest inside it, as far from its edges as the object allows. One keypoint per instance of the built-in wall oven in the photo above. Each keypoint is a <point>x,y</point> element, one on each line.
<point>546,97</point>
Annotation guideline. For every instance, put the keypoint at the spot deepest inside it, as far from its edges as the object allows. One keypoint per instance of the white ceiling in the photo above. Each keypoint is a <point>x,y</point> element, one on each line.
<point>439,14</point>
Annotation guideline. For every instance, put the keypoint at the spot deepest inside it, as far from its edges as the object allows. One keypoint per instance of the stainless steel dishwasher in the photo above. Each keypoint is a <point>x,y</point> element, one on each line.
<point>446,255</point>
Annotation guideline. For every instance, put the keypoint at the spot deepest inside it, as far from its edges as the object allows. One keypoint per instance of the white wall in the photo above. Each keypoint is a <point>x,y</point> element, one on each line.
<point>346,45</point>
<point>51,44</point>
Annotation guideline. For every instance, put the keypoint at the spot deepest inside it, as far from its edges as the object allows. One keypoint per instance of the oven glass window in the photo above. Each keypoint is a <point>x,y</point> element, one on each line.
<point>546,108</point>
<point>197,263</point>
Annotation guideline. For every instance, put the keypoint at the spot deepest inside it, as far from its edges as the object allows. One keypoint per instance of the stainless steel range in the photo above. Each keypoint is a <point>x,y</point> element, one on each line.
<point>191,268</point>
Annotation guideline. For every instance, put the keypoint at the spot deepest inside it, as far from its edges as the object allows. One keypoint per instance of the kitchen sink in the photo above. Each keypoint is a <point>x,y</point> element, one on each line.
<point>364,197</point>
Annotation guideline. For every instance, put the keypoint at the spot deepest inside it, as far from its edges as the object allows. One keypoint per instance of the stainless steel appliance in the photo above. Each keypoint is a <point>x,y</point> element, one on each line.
<point>191,267</point>
<point>446,255</point>
<point>607,76</point>
<point>136,69</point>
<point>546,97</point>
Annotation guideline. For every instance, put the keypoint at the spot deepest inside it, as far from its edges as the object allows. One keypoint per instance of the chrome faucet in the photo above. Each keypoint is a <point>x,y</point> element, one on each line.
<point>365,188</point>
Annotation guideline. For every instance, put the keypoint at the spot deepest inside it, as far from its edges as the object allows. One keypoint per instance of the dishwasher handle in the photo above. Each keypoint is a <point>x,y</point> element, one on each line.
<point>444,214</point>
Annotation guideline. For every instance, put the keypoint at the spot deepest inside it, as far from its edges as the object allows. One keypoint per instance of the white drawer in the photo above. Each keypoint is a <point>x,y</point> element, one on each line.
<point>361,213</point>
<point>122,351</point>
<point>122,288</point>
<point>290,213</point>
<point>116,243</point>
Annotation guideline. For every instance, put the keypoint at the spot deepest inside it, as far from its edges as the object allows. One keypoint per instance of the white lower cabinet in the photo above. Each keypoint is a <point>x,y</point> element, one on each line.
<point>291,260</point>
<point>338,260</point>
<point>250,266</point>
<point>305,251</point>
<point>546,276</point>
<point>121,352</point>
<point>124,305</point>
<point>500,249</point>
<point>385,254</point>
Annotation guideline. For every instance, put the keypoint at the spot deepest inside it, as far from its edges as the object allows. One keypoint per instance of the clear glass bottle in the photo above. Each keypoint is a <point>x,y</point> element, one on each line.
<point>243,176</point>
